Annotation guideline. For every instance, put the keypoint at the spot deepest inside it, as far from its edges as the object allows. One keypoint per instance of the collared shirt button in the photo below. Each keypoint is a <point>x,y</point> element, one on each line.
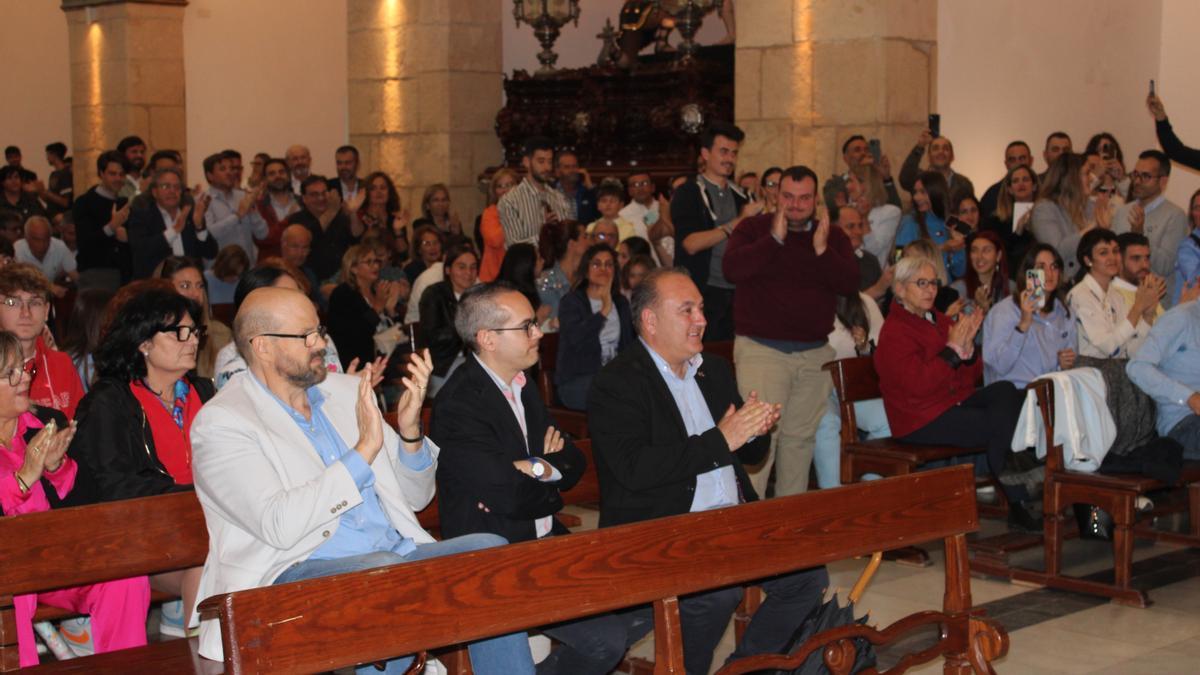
<point>325,534</point>
<point>333,510</point>
<point>344,502</point>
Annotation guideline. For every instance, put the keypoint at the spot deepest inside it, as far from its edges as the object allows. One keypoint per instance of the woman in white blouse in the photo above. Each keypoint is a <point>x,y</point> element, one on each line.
<point>1110,327</point>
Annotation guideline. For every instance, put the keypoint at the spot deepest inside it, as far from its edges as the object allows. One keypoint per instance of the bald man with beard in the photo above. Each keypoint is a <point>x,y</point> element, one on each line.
<point>299,477</point>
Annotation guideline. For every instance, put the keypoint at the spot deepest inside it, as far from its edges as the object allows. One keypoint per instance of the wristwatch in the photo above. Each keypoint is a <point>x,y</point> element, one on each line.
<point>538,468</point>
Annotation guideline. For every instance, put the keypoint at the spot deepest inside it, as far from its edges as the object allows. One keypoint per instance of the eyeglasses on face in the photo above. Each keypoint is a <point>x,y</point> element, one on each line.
<point>605,236</point>
<point>185,333</point>
<point>925,284</point>
<point>640,183</point>
<point>530,327</point>
<point>310,338</point>
<point>32,304</point>
<point>1143,176</point>
<point>15,373</point>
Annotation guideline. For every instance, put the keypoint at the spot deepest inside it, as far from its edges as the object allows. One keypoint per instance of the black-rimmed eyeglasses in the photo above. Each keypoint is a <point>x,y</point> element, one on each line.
<point>185,333</point>
<point>530,326</point>
<point>310,338</point>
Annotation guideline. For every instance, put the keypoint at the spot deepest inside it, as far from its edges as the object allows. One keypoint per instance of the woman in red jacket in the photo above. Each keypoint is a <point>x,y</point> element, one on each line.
<point>928,368</point>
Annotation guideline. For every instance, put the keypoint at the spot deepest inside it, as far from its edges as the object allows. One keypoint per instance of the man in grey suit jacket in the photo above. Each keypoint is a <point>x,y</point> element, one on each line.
<point>1149,213</point>
<point>299,477</point>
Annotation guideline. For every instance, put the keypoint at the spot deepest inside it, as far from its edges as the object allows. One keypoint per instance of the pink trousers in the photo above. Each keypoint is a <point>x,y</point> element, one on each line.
<point>118,610</point>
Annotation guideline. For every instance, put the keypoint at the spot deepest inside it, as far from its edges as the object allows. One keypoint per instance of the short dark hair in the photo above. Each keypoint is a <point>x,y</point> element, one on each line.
<point>1128,239</point>
<point>312,180</point>
<point>645,295</point>
<point>111,157</point>
<point>1013,144</point>
<point>799,173</point>
<point>834,186</point>
<point>610,187</point>
<point>1057,134</point>
<point>477,310</point>
<point>1088,242</point>
<point>855,137</point>
<point>57,148</point>
<point>347,148</point>
<point>276,160</point>
<point>1164,164</point>
<point>11,150</point>
<point>160,155</point>
<point>211,162</point>
<point>8,170</point>
<point>771,170</point>
<point>231,154</point>
<point>563,153</point>
<point>138,320</point>
<point>535,143</point>
<point>719,128</point>
<point>129,142</point>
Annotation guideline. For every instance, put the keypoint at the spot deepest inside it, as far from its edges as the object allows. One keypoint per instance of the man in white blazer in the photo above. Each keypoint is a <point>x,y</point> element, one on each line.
<point>299,477</point>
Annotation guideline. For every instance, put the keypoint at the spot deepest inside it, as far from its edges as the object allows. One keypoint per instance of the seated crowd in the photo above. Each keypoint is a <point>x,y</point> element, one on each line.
<point>157,338</point>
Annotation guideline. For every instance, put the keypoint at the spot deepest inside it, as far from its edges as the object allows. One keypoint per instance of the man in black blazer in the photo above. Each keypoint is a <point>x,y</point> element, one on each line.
<point>165,227</point>
<point>670,434</point>
<point>502,465</point>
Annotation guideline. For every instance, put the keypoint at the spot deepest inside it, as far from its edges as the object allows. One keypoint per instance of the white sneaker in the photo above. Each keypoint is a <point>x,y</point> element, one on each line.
<point>170,621</point>
<point>77,633</point>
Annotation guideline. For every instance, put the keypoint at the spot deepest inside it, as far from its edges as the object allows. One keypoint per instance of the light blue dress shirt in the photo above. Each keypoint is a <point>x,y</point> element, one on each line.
<point>716,488</point>
<point>1187,265</point>
<point>1021,358</point>
<point>1167,367</point>
<point>364,528</point>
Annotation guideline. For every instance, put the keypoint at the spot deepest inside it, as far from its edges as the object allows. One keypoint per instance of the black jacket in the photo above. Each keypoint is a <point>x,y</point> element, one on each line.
<point>690,213</point>
<point>328,244</point>
<point>148,246</point>
<point>645,460</point>
<point>352,323</point>
<point>92,211</point>
<point>438,307</point>
<point>480,439</point>
<point>114,445</point>
<point>579,334</point>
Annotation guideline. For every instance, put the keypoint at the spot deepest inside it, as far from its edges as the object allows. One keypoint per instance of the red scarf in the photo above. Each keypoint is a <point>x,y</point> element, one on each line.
<point>172,444</point>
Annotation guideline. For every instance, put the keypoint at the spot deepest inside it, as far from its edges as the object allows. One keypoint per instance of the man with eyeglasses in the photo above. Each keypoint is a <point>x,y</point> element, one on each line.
<point>299,476</point>
<point>503,464</point>
<point>642,208</point>
<point>24,306</point>
<point>332,230</point>
<point>166,228</point>
<point>1149,213</point>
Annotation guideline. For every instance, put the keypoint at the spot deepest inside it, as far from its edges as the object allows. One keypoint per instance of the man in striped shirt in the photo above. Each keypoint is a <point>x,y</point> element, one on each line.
<point>534,202</point>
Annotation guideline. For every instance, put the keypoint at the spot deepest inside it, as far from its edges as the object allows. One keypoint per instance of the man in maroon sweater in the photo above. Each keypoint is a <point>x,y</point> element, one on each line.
<point>788,267</point>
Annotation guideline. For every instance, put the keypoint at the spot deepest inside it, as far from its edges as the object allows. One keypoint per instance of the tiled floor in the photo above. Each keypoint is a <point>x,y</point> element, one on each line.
<point>1049,631</point>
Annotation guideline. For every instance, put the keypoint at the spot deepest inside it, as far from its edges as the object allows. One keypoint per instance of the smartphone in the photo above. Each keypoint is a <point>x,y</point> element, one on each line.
<point>1035,281</point>
<point>959,226</point>
<point>875,149</point>
<point>935,125</point>
<point>1151,87</point>
<point>897,254</point>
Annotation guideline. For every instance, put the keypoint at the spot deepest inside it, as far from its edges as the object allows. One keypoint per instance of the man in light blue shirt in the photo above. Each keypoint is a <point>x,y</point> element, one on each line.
<point>1167,367</point>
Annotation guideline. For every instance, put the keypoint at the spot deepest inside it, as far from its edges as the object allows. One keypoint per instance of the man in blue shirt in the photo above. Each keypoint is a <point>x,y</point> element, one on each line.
<point>300,478</point>
<point>1167,367</point>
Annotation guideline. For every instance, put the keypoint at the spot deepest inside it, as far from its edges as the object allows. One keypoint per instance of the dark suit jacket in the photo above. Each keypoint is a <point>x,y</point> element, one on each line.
<point>690,214</point>
<point>479,438</point>
<point>646,462</point>
<point>149,248</point>
<point>438,307</point>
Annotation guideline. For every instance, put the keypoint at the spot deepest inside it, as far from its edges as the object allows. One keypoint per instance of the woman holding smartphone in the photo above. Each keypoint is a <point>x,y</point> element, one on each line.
<point>1031,333</point>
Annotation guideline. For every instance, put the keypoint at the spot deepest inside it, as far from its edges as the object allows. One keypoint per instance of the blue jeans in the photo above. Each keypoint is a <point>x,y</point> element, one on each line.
<point>1187,432</point>
<point>827,451</point>
<point>501,655</point>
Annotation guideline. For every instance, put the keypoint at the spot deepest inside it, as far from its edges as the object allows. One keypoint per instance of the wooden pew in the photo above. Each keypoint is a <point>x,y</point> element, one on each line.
<point>1116,494</point>
<point>409,608</point>
<point>89,544</point>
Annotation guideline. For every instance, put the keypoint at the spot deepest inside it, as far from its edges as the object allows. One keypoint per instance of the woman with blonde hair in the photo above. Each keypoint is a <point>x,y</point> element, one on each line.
<point>435,210</point>
<point>1060,213</point>
<point>884,218</point>
<point>489,225</point>
<point>363,304</point>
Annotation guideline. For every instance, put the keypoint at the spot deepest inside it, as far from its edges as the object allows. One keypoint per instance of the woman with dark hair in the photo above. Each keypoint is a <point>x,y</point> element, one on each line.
<point>187,275</point>
<point>491,232</point>
<point>429,243</point>
<point>39,475</point>
<point>1028,335</point>
<point>1110,327</point>
<point>630,248</point>
<point>83,331</point>
<point>633,272</point>
<point>928,221</point>
<point>1060,214</point>
<point>362,304</point>
<point>136,420</point>
<point>520,269</point>
<point>594,324</point>
<point>561,246</point>
<point>1018,189</point>
<point>1113,175</point>
<point>271,272</point>
<point>439,304</point>
<point>986,281</point>
<point>380,212</point>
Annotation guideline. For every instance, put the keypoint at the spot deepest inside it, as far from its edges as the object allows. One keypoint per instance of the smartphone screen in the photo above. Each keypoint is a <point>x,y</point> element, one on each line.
<point>875,149</point>
<point>935,125</point>
<point>1035,281</point>
<point>1151,87</point>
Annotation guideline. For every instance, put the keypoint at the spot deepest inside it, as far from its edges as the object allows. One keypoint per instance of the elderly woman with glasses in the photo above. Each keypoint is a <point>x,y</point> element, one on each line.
<point>135,422</point>
<point>363,304</point>
<point>928,367</point>
<point>37,475</point>
<point>594,324</point>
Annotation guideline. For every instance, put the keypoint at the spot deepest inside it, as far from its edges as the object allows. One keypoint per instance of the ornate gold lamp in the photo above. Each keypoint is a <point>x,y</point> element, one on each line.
<point>688,15</point>
<point>547,18</point>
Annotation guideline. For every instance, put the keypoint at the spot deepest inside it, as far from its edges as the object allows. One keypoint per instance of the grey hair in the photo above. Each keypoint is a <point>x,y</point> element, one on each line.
<point>909,267</point>
<point>645,296</point>
<point>478,310</point>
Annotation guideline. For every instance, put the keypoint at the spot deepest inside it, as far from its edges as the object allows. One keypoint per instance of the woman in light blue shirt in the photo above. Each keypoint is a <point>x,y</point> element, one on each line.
<point>928,221</point>
<point>1022,342</point>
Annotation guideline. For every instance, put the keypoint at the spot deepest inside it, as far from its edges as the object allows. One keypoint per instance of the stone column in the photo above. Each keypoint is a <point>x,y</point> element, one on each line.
<point>811,73</point>
<point>425,84</point>
<point>126,77</point>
